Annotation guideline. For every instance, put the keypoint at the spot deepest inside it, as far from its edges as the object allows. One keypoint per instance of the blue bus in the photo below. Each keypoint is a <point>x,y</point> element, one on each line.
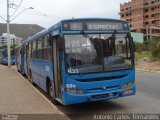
<point>4,56</point>
<point>19,58</point>
<point>82,60</point>
<point>20,54</point>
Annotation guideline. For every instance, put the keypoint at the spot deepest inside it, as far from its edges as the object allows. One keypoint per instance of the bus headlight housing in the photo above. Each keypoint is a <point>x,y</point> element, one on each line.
<point>127,85</point>
<point>74,91</point>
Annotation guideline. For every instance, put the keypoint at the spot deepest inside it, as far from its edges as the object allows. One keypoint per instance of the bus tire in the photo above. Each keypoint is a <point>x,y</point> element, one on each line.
<point>30,78</point>
<point>51,93</point>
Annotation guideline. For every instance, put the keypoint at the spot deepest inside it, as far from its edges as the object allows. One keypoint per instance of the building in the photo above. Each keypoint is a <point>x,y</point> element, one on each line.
<point>18,32</point>
<point>143,16</point>
<point>13,39</point>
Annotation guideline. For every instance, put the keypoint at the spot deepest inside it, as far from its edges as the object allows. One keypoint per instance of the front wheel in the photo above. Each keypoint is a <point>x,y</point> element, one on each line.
<point>50,91</point>
<point>30,77</point>
<point>51,94</point>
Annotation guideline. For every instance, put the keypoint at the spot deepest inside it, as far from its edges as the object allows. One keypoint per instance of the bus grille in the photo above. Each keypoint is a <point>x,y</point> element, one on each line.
<point>101,79</point>
<point>109,95</point>
<point>101,89</point>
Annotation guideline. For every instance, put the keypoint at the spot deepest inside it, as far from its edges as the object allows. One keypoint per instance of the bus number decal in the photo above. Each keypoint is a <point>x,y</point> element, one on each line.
<point>70,70</point>
<point>70,86</point>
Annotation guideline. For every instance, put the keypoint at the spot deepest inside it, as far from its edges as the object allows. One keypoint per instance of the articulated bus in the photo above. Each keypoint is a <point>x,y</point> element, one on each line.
<point>81,60</point>
<point>20,58</point>
<point>4,56</point>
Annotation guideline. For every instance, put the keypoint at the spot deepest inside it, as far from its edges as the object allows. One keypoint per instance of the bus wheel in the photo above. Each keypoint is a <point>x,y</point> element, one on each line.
<point>50,90</point>
<point>51,94</point>
<point>30,77</point>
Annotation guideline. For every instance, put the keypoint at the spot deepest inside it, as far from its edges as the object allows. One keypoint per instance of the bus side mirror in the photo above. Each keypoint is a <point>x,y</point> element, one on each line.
<point>133,45</point>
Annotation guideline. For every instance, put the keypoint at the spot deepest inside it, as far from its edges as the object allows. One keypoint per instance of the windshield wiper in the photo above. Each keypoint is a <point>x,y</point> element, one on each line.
<point>85,34</point>
<point>110,42</point>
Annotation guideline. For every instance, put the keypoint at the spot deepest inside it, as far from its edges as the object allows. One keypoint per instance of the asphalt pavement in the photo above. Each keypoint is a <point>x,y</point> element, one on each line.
<point>17,95</point>
<point>146,100</point>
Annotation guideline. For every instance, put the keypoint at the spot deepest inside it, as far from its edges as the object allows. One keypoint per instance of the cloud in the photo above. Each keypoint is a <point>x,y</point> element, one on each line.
<point>48,12</point>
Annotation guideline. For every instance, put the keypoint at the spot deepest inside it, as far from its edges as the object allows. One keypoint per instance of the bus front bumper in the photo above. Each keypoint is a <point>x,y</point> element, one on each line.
<point>71,98</point>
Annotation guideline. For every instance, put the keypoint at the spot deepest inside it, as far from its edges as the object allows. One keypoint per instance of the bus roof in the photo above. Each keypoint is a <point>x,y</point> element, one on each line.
<point>59,24</point>
<point>79,19</point>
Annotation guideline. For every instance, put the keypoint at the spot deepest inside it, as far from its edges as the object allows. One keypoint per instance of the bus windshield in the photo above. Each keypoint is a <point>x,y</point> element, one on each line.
<point>97,53</point>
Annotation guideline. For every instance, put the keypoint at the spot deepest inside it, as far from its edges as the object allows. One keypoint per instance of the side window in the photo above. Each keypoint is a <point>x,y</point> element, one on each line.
<point>34,45</point>
<point>38,44</point>
<point>30,46</point>
<point>39,49</point>
<point>43,42</point>
<point>47,40</point>
<point>30,49</point>
<point>46,47</point>
<point>34,49</point>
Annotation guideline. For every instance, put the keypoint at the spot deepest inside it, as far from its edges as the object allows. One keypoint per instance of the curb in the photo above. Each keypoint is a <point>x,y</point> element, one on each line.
<point>144,70</point>
<point>46,99</point>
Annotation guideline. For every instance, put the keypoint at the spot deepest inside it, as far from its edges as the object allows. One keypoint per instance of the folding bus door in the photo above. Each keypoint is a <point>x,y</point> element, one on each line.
<point>27,60</point>
<point>56,69</point>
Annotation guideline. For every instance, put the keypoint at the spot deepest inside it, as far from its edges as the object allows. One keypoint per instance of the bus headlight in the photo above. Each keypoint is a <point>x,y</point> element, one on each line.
<point>75,91</point>
<point>127,85</point>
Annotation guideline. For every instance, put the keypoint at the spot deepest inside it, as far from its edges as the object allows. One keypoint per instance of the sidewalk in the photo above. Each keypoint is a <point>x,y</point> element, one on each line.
<point>146,70</point>
<point>18,96</point>
<point>146,65</point>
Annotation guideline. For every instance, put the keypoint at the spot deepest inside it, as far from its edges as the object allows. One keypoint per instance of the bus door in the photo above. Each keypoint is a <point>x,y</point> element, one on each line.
<point>27,59</point>
<point>57,79</point>
<point>22,59</point>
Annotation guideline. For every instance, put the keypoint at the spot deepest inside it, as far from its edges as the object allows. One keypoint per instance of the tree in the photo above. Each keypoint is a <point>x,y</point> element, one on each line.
<point>154,46</point>
<point>139,47</point>
<point>5,46</point>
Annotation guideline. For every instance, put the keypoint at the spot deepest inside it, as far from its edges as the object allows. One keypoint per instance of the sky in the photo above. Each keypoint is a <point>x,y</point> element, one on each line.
<point>49,12</point>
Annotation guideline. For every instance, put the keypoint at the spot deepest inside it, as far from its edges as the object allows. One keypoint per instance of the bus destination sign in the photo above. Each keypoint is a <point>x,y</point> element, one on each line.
<point>104,26</point>
<point>95,25</point>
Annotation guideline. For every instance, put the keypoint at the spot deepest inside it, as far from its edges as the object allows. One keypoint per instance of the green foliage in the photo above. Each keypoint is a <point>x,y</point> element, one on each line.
<point>154,47</point>
<point>139,47</point>
<point>5,46</point>
<point>145,46</point>
<point>13,46</point>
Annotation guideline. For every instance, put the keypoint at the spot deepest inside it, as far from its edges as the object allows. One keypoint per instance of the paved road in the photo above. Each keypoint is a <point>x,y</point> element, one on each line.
<point>149,83</point>
<point>146,100</point>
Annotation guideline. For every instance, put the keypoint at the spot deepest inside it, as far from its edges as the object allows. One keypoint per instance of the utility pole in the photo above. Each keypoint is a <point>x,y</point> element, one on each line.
<point>8,37</point>
<point>8,30</point>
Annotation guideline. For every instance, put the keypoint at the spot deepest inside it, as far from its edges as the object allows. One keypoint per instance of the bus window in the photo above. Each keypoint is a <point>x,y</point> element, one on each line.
<point>46,43</point>
<point>30,49</point>
<point>47,40</point>
<point>34,49</point>
<point>98,52</point>
<point>47,53</point>
<point>39,48</point>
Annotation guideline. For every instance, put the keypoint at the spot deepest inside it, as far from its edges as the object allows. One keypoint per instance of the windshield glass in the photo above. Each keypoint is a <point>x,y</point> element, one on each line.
<point>87,53</point>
